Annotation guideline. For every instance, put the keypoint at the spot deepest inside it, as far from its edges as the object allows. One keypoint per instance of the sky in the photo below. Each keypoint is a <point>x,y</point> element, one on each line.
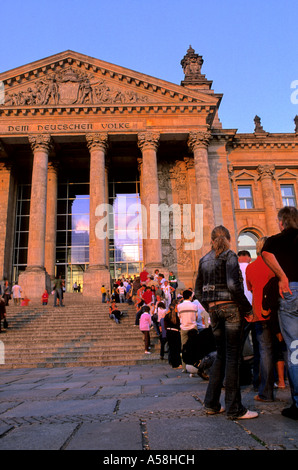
<point>249,47</point>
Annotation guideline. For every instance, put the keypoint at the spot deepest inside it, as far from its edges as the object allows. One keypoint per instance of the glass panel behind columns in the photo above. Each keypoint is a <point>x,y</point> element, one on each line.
<point>125,238</point>
<point>72,241</point>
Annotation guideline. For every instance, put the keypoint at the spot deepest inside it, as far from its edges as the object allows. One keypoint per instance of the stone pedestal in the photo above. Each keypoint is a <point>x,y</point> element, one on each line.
<point>94,278</point>
<point>34,281</point>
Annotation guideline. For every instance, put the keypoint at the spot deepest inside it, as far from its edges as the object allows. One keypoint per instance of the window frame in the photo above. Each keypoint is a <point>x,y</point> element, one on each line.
<point>245,199</point>
<point>289,185</point>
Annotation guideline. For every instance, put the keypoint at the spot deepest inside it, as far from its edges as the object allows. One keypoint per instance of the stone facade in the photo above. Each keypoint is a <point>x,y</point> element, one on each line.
<point>71,113</point>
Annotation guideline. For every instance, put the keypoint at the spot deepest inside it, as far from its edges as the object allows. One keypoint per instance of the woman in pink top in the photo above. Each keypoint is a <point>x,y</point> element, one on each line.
<point>145,325</point>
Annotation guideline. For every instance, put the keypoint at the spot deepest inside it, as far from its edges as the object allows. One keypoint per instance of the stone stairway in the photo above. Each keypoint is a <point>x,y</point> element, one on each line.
<point>80,334</point>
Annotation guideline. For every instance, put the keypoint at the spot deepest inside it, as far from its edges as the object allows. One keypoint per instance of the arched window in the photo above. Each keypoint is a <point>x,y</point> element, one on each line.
<point>247,241</point>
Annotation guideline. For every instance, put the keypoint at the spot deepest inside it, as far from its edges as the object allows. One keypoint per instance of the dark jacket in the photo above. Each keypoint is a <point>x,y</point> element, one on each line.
<point>221,279</point>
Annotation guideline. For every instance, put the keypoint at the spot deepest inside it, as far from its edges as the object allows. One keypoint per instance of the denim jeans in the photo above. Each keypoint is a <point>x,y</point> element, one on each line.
<point>265,341</point>
<point>227,327</point>
<point>58,293</point>
<point>288,319</point>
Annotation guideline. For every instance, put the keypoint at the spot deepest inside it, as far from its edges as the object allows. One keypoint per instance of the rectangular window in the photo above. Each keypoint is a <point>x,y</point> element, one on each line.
<point>245,197</point>
<point>288,195</point>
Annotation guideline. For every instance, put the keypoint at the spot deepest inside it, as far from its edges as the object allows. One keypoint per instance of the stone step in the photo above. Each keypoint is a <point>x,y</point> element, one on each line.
<point>80,334</point>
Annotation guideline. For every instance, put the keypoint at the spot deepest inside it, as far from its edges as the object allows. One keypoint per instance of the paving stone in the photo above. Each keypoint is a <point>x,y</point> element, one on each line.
<point>37,437</point>
<point>107,436</point>
<point>47,408</point>
<point>203,433</point>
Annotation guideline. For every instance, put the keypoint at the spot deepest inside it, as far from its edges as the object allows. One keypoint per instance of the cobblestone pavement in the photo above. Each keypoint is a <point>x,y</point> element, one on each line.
<point>149,407</point>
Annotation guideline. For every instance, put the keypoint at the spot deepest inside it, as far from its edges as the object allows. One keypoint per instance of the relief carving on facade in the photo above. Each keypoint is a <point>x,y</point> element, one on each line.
<point>172,190</point>
<point>266,171</point>
<point>71,87</point>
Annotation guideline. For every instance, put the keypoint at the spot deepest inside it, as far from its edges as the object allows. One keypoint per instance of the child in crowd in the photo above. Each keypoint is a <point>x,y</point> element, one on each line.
<point>25,301</point>
<point>45,298</point>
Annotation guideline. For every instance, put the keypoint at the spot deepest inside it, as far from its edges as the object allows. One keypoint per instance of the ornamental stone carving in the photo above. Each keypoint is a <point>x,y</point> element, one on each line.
<point>199,139</point>
<point>97,140</point>
<point>258,126</point>
<point>192,64</point>
<point>266,171</point>
<point>41,142</point>
<point>296,123</point>
<point>71,87</point>
<point>148,140</point>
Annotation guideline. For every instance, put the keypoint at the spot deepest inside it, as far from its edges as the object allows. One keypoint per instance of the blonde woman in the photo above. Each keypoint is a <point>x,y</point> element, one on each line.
<point>219,288</point>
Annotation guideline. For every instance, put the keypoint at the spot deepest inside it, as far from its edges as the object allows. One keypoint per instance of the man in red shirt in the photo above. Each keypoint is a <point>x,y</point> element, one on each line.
<point>144,276</point>
<point>147,295</point>
<point>257,276</point>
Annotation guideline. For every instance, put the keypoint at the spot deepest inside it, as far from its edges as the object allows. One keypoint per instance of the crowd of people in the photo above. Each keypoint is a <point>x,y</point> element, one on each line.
<point>204,329</point>
<point>234,299</point>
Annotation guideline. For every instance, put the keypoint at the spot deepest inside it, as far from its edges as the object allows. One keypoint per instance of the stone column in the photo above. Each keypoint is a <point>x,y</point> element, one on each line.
<point>51,219</point>
<point>98,272</point>
<point>266,175</point>
<point>198,143</point>
<point>7,222</point>
<point>148,143</point>
<point>34,279</point>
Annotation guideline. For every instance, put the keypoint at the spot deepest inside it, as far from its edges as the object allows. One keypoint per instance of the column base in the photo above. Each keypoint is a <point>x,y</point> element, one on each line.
<point>94,278</point>
<point>151,267</point>
<point>34,281</point>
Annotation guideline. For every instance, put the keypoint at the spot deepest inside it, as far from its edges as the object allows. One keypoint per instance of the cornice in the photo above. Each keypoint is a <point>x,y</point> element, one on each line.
<point>148,108</point>
<point>264,141</point>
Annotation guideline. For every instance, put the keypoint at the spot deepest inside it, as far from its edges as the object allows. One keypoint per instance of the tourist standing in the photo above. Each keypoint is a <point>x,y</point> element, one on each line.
<point>220,290</point>
<point>172,327</point>
<point>145,325</point>
<point>16,294</point>
<point>173,283</point>
<point>257,276</point>
<point>7,293</point>
<point>58,291</point>
<point>188,316</point>
<point>280,253</point>
<point>103,294</point>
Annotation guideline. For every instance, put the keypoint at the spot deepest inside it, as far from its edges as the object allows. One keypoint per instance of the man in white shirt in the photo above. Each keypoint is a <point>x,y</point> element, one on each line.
<point>244,259</point>
<point>16,294</point>
<point>188,315</point>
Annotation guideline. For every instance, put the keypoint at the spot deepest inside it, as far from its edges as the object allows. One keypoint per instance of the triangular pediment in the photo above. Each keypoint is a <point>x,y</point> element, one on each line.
<point>287,175</point>
<point>70,79</point>
<point>244,175</point>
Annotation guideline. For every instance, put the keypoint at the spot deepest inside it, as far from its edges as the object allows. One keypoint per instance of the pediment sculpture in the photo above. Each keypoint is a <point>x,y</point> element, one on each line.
<point>71,87</point>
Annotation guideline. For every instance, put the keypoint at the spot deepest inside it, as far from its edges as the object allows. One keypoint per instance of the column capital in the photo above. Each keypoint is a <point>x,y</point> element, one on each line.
<point>148,140</point>
<point>97,140</point>
<point>266,171</point>
<point>53,165</point>
<point>41,142</point>
<point>199,139</point>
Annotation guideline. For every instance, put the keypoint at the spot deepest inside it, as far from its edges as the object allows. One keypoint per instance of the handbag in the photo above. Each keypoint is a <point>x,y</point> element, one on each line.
<point>154,317</point>
<point>5,323</point>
